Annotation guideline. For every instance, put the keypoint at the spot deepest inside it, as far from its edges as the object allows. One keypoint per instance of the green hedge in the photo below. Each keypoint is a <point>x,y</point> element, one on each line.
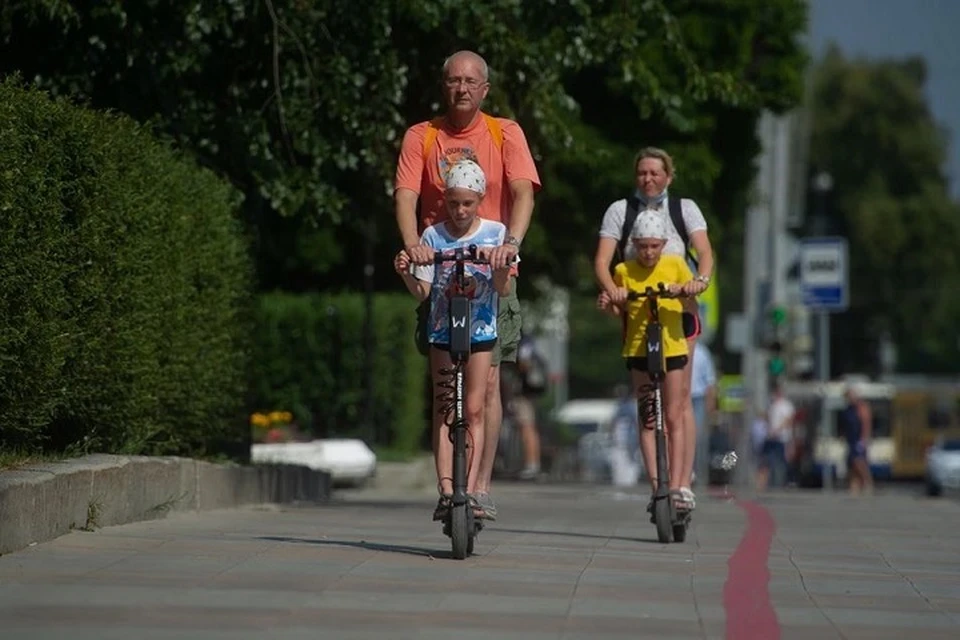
<point>596,366</point>
<point>124,288</point>
<point>309,360</point>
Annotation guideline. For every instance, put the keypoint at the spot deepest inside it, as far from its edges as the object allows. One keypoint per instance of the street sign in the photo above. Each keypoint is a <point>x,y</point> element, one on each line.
<point>824,274</point>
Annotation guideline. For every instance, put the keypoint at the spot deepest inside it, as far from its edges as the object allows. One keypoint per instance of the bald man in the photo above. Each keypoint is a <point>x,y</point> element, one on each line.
<point>499,146</point>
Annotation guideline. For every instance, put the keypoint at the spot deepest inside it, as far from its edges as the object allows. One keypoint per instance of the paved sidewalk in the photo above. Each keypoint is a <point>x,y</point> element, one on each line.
<point>562,563</point>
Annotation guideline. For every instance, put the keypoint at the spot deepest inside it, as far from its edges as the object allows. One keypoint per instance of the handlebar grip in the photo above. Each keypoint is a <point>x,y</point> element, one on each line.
<point>660,291</point>
<point>463,254</point>
<point>438,259</point>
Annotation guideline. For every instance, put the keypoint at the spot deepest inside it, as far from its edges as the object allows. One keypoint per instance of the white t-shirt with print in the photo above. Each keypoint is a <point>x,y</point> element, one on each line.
<point>485,302</point>
<point>612,225</point>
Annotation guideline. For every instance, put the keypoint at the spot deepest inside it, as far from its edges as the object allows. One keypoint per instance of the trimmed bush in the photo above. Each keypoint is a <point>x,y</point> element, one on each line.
<point>124,288</point>
<point>595,344</point>
<point>309,360</point>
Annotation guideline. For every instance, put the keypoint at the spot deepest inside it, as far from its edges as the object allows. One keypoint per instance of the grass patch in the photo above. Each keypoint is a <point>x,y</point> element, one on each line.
<point>11,459</point>
<point>386,454</point>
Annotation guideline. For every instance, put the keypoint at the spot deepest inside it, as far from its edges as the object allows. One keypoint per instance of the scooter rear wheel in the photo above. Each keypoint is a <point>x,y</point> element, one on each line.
<point>679,532</point>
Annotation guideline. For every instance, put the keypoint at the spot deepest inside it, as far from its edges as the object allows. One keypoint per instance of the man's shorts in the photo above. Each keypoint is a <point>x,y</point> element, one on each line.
<point>524,411</point>
<point>509,324</point>
<point>855,452</point>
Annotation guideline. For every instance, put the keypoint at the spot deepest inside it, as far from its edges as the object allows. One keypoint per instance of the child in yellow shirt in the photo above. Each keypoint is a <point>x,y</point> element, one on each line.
<point>650,269</point>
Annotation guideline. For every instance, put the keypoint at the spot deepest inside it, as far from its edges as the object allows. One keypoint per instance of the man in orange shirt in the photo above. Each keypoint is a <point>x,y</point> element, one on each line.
<point>499,146</point>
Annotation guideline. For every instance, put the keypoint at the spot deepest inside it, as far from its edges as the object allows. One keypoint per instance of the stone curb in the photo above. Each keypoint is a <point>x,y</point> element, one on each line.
<point>44,501</point>
<point>414,474</point>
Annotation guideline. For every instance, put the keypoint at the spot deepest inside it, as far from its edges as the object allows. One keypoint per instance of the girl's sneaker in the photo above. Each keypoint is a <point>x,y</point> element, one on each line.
<point>443,507</point>
<point>689,497</point>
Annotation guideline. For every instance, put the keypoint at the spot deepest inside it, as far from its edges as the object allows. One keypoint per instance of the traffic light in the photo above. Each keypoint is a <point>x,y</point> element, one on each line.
<point>777,365</point>
<point>778,315</point>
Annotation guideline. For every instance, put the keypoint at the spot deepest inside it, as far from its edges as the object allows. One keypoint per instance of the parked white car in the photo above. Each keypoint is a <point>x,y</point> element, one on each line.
<point>348,461</point>
<point>943,467</point>
<point>607,452</point>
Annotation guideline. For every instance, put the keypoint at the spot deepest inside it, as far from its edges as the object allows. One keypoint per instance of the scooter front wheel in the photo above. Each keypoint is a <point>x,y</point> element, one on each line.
<point>460,537</point>
<point>661,513</point>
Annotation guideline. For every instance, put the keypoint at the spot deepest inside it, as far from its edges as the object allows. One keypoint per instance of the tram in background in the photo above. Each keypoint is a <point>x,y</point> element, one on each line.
<point>909,415</point>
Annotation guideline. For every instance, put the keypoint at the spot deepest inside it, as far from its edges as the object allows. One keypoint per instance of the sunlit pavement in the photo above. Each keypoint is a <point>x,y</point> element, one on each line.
<point>561,562</point>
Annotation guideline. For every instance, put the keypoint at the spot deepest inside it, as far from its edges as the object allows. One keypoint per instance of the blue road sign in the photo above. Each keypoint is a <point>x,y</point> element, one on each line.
<point>824,273</point>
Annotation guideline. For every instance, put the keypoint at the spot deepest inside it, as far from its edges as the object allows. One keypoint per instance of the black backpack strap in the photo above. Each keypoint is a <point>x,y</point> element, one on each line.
<point>675,204</point>
<point>629,217</point>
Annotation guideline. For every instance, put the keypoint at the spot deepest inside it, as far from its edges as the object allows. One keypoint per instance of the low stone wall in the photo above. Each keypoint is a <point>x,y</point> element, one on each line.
<point>43,501</point>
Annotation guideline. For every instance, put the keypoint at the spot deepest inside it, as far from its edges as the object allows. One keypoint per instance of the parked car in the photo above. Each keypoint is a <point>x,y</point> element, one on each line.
<point>590,421</point>
<point>349,461</point>
<point>943,467</point>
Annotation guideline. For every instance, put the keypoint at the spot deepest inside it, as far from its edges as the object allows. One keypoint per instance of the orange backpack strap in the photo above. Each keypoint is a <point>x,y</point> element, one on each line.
<point>430,136</point>
<point>495,130</point>
<point>433,128</point>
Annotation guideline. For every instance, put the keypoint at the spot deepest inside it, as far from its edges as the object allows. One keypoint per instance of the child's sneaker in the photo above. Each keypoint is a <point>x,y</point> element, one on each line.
<point>443,507</point>
<point>689,498</point>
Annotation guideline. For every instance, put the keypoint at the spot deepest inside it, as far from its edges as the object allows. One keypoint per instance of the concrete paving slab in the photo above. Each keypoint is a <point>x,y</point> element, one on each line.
<point>563,562</point>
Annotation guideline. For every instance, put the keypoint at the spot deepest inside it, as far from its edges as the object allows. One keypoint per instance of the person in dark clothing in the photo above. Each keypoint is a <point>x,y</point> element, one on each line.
<point>857,426</point>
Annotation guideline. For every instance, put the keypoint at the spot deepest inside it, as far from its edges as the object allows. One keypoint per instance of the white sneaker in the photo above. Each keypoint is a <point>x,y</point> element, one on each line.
<point>529,473</point>
<point>689,497</point>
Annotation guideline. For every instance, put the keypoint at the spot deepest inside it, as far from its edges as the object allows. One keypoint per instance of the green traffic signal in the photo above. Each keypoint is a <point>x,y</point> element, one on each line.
<point>777,366</point>
<point>778,315</point>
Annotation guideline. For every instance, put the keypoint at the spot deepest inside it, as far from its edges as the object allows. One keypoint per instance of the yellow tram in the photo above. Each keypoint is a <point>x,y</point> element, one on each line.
<point>909,415</point>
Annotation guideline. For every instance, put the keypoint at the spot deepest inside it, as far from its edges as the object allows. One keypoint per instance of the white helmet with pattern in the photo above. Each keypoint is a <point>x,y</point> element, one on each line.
<point>649,224</point>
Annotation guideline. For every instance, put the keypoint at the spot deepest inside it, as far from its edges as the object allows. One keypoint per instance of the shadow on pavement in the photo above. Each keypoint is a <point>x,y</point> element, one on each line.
<point>363,544</point>
<point>574,535</point>
<point>393,504</point>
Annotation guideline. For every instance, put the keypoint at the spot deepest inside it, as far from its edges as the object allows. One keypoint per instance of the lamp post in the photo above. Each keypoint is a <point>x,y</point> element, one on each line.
<point>822,186</point>
<point>368,429</point>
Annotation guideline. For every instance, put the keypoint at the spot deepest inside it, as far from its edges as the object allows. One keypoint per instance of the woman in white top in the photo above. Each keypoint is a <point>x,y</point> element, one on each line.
<point>654,173</point>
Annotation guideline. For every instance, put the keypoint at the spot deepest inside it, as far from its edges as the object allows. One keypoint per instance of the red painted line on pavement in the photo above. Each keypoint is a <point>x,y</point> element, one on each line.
<point>746,597</point>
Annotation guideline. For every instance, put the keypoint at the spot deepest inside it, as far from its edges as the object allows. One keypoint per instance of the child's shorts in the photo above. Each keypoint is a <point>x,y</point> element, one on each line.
<point>691,325</point>
<point>475,347</point>
<point>674,363</point>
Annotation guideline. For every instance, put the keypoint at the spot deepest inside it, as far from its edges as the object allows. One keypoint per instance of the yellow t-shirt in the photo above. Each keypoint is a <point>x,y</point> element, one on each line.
<point>670,269</point>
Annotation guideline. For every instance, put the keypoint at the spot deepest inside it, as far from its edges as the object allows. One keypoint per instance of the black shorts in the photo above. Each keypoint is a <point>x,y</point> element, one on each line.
<point>691,325</point>
<point>674,363</point>
<point>476,347</point>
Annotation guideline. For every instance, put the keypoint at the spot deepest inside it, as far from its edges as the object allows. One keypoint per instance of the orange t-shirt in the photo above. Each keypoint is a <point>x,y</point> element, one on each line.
<point>513,162</point>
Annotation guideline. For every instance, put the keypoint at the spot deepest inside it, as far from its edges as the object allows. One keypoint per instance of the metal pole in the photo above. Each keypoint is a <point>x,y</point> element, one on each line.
<point>823,374</point>
<point>822,185</point>
<point>755,271</point>
<point>369,429</point>
<point>823,346</point>
<point>780,202</point>
<point>331,425</point>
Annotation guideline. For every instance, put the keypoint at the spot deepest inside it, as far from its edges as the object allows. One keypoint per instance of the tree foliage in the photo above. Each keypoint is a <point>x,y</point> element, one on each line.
<point>302,104</point>
<point>874,133</point>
